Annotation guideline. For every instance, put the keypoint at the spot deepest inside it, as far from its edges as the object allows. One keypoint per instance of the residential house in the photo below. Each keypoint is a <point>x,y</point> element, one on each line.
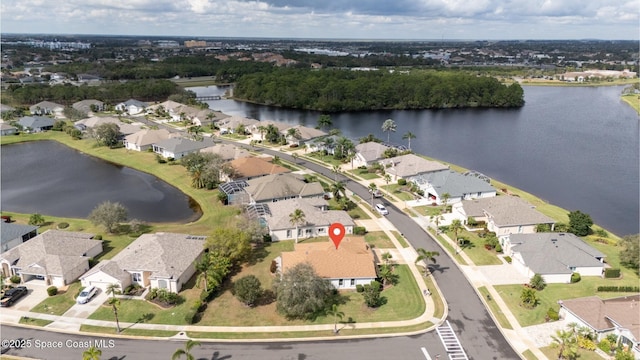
<point>144,139</point>
<point>6,129</point>
<point>46,108</point>
<point>6,108</point>
<point>350,264</point>
<point>255,129</point>
<point>555,256</point>
<point>36,124</point>
<point>248,168</point>
<point>618,316</point>
<point>231,124</point>
<point>317,218</point>
<point>87,106</point>
<point>177,148</point>
<point>54,257</point>
<point>132,106</point>
<point>94,121</point>
<point>503,214</point>
<point>323,143</point>
<point>278,187</point>
<point>12,235</point>
<point>458,186</point>
<point>369,153</point>
<point>160,260</point>
<point>410,165</point>
<point>227,152</point>
<point>302,134</point>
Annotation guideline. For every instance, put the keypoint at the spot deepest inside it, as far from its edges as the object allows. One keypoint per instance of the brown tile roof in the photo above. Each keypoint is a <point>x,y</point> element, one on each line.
<point>601,314</point>
<point>249,167</point>
<point>352,259</point>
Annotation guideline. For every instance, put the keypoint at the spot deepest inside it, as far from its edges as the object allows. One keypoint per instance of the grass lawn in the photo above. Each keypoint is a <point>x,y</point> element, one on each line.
<point>126,331</point>
<point>396,190</point>
<point>495,309</point>
<point>60,303</point>
<point>633,100</point>
<point>428,210</point>
<point>403,242</point>
<point>358,213</point>
<point>327,159</point>
<point>35,322</point>
<point>364,174</point>
<point>552,353</point>
<point>529,355</point>
<point>450,249</point>
<point>553,292</point>
<point>476,251</point>
<point>435,295</point>
<point>378,239</point>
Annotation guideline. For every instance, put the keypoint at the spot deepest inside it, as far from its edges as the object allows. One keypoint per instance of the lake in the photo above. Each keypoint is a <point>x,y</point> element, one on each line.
<point>49,178</point>
<point>576,147</point>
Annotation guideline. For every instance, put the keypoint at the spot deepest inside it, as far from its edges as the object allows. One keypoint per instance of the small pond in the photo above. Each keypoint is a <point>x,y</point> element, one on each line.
<point>49,178</point>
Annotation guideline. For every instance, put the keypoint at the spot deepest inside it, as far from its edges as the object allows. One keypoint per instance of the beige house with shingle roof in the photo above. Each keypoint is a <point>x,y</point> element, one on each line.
<point>618,316</point>
<point>277,187</point>
<point>304,133</point>
<point>160,260</point>
<point>406,166</point>
<point>144,139</point>
<point>248,168</point>
<point>54,257</point>
<point>369,153</point>
<point>227,152</point>
<point>317,219</point>
<point>503,214</point>
<point>351,264</point>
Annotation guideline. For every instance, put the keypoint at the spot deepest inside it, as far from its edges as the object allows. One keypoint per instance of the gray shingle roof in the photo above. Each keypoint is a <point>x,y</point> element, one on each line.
<point>283,185</point>
<point>227,151</point>
<point>165,255</point>
<point>506,210</point>
<point>147,137</point>
<point>45,105</point>
<point>180,145</point>
<point>36,122</point>
<point>454,183</point>
<point>554,253</point>
<point>9,231</point>
<point>278,217</point>
<point>85,105</point>
<point>371,151</point>
<point>409,165</point>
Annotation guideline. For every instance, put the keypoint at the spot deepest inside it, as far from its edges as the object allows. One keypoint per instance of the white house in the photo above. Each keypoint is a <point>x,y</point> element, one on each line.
<point>144,139</point>
<point>177,148</point>
<point>36,124</point>
<point>317,218</point>
<point>410,165</point>
<point>132,106</point>
<point>54,257</point>
<point>12,235</point>
<point>458,186</point>
<point>503,214</point>
<point>618,316</point>
<point>369,153</point>
<point>46,108</point>
<point>555,256</point>
<point>351,264</point>
<point>160,260</point>
<point>6,129</point>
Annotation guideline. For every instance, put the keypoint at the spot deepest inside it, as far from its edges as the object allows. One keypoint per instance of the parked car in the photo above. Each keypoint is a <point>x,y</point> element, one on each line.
<point>12,295</point>
<point>377,193</point>
<point>86,294</point>
<point>381,209</point>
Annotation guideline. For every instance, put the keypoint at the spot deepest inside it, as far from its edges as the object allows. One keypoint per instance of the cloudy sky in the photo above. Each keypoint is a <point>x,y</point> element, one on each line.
<point>348,19</point>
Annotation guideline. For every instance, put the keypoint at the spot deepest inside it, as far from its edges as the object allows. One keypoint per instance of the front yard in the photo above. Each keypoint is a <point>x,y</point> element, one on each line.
<point>60,303</point>
<point>474,248</point>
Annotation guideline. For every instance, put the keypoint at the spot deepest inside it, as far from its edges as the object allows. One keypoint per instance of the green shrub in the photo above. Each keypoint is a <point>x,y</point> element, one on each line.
<point>618,288</point>
<point>498,248</point>
<point>605,346</point>
<point>611,273</point>
<point>575,277</point>
<point>508,259</point>
<point>359,230</point>
<point>52,290</point>
<point>190,316</point>
<point>359,288</point>
<point>586,343</point>
<point>402,182</point>
<point>602,233</point>
<point>97,237</point>
<point>15,279</point>
<point>63,225</point>
<point>206,296</point>
<point>552,314</point>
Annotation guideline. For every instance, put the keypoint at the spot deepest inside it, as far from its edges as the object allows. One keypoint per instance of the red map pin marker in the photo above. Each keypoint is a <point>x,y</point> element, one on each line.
<point>336,233</point>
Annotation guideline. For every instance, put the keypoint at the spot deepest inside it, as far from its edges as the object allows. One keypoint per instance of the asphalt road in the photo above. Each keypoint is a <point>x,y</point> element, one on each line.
<point>476,330</point>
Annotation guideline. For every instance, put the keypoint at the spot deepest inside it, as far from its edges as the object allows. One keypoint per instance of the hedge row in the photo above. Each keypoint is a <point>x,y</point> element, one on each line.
<point>619,288</point>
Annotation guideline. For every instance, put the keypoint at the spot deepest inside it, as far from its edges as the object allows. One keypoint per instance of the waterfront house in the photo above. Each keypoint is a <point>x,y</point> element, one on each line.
<point>277,187</point>
<point>369,153</point>
<point>410,165</point>
<point>54,257</point>
<point>303,134</point>
<point>555,256</point>
<point>35,124</point>
<point>177,148</point>
<point>144,139</point>
<point>12,235</point>
<point>347,266</point>
<point>160,260</point>
<point>6,129</point>
<point>458,186</point>
<point>248,168</point>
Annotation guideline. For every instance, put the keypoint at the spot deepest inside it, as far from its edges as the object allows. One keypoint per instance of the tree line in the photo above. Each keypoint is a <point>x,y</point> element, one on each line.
<point>343,90</point>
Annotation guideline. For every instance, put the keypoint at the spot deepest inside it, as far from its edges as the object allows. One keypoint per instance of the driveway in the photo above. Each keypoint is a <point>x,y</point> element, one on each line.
<point>37,293</point>
<point>84,310</point>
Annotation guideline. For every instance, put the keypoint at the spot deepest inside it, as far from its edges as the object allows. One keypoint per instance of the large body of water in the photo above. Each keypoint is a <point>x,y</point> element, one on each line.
<point>576,147</point>
<point>51,179</point>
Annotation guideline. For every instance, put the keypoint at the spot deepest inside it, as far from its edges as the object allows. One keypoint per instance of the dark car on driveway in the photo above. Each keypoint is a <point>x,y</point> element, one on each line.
<point>12,295</point>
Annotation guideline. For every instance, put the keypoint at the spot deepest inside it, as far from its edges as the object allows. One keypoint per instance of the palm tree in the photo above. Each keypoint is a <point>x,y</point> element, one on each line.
<point>115,305</point>
<point>445,199</point>
<point>324,121</point>
<point>295,157</point>
<point>437,219</point>
<point>372,189</point>
<point>387,180</point>
<point>338,189</point>
<point>36,219</point>
<point>186,351</point>
<point>387,275</point>
<point>112,289</point>
<point>92,353</point>
<point>262,129</point>
<point>293,133</point>
<point>336,315</point>
<point>202,267</point>
<point>408,136</point>
<point>388,126</point>
<point>335,170</point>
<point>455,226</point>
<point>297,218</point>
<point>386,257</point>
<point>566,343</point>
<point>195,132</point>
<point>426,255</point>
